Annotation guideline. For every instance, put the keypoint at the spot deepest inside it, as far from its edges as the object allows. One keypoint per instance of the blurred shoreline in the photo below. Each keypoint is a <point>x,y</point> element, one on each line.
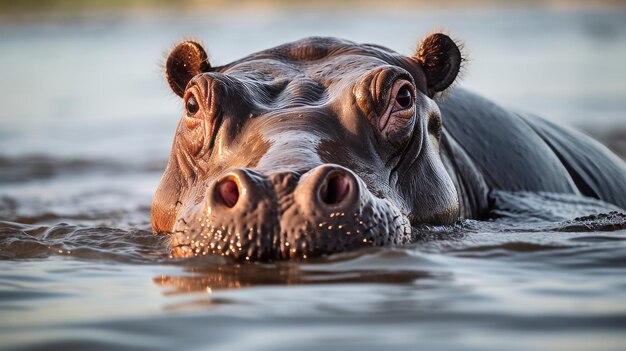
<point>541,60</point>
<point>67,10</point>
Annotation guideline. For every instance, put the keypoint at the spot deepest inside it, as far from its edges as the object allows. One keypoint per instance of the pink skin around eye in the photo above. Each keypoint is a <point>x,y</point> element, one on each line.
<point>393,105</point>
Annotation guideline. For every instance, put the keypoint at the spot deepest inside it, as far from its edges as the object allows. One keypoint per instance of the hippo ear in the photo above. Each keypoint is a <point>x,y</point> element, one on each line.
<point>185,61</point>
<point>441,60</point>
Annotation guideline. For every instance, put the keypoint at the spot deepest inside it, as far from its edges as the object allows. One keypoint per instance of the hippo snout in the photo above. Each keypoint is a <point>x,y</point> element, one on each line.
<point>247,214</point>
<point>327,187</point>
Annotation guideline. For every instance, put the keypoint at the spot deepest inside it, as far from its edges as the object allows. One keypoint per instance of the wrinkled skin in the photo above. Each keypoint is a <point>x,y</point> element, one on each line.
<point>309,148</point>
<point>320,146</point>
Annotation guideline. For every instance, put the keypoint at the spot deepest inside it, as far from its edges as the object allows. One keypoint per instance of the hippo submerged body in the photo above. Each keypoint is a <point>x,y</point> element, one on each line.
<point>323,145</point>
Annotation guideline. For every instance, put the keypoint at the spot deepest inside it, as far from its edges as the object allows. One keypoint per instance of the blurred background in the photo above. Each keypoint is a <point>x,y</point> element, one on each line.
<point>86,124</point>
<point>83,97</point>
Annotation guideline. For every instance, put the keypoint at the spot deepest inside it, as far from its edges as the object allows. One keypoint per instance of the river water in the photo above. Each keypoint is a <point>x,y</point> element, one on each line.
<point>86,122</point>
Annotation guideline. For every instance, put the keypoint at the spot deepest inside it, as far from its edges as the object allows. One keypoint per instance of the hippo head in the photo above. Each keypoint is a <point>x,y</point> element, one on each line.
<point>309,148</point>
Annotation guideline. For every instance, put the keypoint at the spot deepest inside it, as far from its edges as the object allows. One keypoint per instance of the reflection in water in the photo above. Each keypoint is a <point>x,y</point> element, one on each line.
<point>207,277</point>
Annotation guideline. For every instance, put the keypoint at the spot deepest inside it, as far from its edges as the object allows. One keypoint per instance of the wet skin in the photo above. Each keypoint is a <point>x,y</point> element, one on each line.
<point>323,145</point>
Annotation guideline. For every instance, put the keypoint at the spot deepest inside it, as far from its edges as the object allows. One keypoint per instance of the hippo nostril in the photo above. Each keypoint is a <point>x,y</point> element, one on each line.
<point>228,192</point>
<point>335,189</point>
<point>328,189</point>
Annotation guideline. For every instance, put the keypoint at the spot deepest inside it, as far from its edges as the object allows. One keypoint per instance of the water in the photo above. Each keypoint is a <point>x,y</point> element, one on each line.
<point>86,122</point>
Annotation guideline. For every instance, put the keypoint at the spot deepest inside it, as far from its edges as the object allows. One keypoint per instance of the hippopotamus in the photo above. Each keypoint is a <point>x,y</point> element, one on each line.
<point>324,145</point>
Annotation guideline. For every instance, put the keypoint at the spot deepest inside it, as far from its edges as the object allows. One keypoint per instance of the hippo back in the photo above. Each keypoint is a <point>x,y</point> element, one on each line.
<point>521,152</point>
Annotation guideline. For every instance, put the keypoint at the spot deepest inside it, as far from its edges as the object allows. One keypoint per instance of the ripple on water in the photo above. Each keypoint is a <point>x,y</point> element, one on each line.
<point>22,241</point>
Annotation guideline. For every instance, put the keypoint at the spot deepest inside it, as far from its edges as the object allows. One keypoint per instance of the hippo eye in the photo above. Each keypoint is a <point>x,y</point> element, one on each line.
<point>192,105</point>
<point>404,97</point>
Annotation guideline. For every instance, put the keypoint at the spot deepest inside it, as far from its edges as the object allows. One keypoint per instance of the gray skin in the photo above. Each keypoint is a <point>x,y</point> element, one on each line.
<point>323,145</point>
